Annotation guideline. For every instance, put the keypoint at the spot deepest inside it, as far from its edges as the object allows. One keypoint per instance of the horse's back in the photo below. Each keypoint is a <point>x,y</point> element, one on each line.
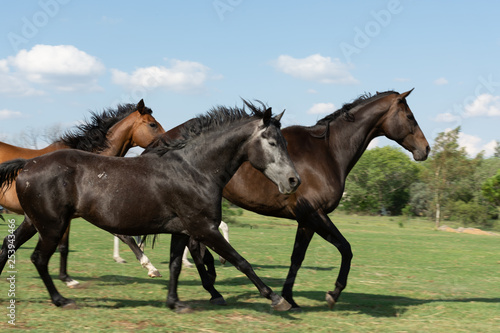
<point>9,152</point>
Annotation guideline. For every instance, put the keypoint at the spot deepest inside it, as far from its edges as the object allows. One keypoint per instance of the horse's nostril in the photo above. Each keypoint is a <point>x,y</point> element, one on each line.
<point>293,181</point>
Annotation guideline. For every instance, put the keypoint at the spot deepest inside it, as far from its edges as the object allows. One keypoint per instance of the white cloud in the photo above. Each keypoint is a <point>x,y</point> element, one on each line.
<point>15,85</point>
<point>56,60</point>
<point>9,114</point>
<point>181,76</point>
<point>441,81</point>
<point>4,67</point>
<point>484,105</point>
<point>316,68</point>
<point>447,117</point>
<point>321,108</point>
<point>474,145</point>
<point>62,67</point>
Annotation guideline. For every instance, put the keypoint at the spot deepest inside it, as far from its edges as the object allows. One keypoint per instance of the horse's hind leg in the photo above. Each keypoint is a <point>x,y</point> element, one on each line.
<point>21,235</point>
<point>225,232</point>
<point>63,265</point>
<point>200,256</point>
<point>45,248</point>
<point>320,223</point>
<point>177,245</point>
<point>116,251</point>
<point>143,259</point>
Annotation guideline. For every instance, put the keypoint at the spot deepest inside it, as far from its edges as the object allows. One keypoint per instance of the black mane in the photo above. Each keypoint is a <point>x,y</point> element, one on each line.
<point>216,118</point>
<point>346,108</point>
<point>91,135</point>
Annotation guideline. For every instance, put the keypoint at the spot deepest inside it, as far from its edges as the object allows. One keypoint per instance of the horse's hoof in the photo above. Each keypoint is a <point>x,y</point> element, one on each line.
<point>296,309</point>
<point>281,305</point>
<point>182,308</point>
<point>222,260</point>
<point>330,299</point>
<point>153,274</point>
<point>218,301</point>
<point>120,260</point>
<point>72,283</point>
<point>69,305</point>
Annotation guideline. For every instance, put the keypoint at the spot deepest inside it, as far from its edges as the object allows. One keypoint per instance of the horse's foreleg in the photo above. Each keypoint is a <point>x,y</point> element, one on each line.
<point>214,240</point>
<point>63,263</point>
<point>143,259</point>
<point>326,229</point>
<point>21,235</point>
<point>302,239</point>
<point>177,246</point>
<point>199,253</point>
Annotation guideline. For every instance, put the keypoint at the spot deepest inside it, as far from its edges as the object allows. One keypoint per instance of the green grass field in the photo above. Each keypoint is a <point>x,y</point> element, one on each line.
<point>403,279</point>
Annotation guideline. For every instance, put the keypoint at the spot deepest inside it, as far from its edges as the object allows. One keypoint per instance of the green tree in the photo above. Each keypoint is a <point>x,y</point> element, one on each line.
<point>420,198</point>
<point>380,181</point>
<point>446,168</point>
<point>491,189</point>
<point>454,181</point>
<point>497,150</point>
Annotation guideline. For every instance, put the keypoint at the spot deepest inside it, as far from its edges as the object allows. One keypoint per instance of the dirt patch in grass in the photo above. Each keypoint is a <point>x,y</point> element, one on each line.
<point>472,231</point>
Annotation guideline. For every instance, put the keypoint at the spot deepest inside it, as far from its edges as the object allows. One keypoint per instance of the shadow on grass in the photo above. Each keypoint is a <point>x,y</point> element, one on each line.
<point>374,305</point>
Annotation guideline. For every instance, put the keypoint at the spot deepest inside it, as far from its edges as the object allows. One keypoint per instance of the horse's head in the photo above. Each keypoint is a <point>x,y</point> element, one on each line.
<point>399,124</point>
<point>145,127</point>
<point>268,154</point>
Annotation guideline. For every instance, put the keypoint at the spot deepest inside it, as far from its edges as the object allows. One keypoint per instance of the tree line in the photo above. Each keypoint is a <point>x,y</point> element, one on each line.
<point>449,185</point>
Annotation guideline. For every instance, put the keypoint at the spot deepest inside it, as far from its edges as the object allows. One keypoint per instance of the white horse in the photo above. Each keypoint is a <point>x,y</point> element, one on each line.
<point>146,263</point>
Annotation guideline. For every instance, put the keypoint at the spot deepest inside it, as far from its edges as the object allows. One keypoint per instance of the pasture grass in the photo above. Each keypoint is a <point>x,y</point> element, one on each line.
<point>405,277</point>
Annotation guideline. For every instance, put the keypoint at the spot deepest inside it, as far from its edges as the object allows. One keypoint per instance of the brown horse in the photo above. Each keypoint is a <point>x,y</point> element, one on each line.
<point>111,133</point>
<point>323,155</point>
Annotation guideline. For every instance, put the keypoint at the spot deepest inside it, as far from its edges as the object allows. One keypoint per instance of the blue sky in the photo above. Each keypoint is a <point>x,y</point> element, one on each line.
<point>60,59</point>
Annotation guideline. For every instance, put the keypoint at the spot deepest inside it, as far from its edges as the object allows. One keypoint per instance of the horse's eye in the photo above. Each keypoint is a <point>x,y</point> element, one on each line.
<point>153,125</point>
<point>410,116</point>
<point>272,143</point>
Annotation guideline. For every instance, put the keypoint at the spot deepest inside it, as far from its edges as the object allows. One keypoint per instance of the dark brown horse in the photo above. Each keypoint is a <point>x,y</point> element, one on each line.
<point>323,155</point>
<point>110,133</point>
<point>173,188</point>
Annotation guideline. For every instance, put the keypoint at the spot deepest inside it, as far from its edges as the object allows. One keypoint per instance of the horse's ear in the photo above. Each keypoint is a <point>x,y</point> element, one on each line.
<point>141,107</point>
<point>267,116</point>
<point>404,95</point>
<point>278,117</point>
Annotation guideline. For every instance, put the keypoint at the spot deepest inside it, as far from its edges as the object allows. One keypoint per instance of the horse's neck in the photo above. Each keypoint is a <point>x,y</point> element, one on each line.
<point>119,139</point>
<point>221,154</point>
<point>349,140</point>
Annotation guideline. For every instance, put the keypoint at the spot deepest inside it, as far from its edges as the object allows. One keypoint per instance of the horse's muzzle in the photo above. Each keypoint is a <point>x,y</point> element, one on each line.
<point>293,184</point>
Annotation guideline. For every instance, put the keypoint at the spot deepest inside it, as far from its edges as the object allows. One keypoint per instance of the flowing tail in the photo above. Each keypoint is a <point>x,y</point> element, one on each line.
<point>9,171</point>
